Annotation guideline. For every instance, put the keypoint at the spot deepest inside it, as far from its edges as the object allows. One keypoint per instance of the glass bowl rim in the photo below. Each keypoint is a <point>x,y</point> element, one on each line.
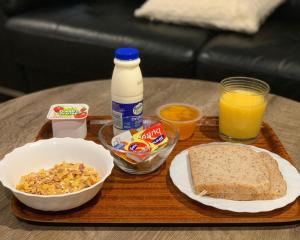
<point>142,153</point>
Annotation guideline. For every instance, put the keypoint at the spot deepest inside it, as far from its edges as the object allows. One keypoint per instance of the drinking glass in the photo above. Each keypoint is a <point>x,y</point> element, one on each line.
<point>242,105</point>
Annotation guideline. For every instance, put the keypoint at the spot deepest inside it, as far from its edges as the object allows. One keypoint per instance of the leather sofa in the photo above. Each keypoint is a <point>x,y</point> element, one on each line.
<point>50,43</point>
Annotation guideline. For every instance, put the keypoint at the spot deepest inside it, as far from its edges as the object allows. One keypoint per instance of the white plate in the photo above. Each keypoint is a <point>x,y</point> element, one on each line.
<point>181,177</point>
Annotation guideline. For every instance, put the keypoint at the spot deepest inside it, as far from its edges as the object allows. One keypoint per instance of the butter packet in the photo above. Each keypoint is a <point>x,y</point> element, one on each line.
<point>154,135</point>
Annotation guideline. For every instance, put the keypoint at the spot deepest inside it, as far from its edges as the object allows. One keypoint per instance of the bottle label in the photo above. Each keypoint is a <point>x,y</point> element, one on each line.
<point>127,116</point>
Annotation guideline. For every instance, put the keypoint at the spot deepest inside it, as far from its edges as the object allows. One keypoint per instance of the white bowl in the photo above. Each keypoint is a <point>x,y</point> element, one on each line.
<point>45,154</point>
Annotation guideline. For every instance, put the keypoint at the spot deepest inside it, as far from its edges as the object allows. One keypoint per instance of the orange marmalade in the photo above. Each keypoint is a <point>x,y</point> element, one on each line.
<point>183,116</point>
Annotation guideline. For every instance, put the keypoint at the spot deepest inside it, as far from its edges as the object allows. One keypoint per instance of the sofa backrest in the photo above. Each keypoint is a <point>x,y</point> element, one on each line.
<point>289,10</point>
<point>16,6</point>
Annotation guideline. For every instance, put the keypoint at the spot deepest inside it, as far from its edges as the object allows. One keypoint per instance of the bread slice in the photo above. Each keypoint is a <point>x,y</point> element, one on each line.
<point>234,172</point>
<point>278,185</point>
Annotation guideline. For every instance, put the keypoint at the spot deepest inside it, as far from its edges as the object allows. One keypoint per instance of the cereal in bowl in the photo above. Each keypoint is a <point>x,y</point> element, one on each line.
<point>62,178</point>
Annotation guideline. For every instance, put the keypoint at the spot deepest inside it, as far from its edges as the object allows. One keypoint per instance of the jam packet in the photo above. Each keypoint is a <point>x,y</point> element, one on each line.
<point>139,150</point>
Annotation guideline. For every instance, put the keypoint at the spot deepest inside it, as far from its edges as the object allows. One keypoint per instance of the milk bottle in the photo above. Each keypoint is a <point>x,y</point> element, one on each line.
<point>127,91</point>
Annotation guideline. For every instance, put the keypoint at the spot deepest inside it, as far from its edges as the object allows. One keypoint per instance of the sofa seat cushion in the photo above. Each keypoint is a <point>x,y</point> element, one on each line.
<point>80,39</point>
<point>271,55</point>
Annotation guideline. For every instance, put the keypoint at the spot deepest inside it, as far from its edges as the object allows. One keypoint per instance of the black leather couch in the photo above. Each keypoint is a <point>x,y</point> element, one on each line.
<point>49,43</point>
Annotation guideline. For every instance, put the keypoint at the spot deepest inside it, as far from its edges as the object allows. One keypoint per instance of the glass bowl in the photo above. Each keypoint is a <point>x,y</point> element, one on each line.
<point>150,160</point>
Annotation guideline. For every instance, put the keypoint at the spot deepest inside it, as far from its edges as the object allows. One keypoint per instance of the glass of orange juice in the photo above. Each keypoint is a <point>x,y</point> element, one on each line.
<point>242,105</point>
<point>183,116</point>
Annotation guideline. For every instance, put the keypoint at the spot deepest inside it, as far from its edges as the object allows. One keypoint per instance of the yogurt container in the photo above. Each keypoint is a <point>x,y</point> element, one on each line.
<point>69,120</point>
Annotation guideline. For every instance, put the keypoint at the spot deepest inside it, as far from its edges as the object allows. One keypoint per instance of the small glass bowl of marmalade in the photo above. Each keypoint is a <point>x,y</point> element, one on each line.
<point>183,116</point>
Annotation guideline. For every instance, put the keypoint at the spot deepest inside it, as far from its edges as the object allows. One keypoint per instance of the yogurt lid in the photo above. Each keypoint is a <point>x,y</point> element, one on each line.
<point>68,111</point>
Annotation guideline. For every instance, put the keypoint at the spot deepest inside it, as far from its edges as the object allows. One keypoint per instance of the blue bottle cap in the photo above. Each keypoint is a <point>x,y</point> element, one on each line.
<point>127,54</point>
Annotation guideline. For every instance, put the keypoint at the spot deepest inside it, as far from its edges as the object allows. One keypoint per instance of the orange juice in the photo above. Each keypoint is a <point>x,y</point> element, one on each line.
<point>241,113</point>
<point>183,116</point>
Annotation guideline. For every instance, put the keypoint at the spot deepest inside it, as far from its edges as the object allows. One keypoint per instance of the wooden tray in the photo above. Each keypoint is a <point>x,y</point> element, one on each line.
<point>153,198</point>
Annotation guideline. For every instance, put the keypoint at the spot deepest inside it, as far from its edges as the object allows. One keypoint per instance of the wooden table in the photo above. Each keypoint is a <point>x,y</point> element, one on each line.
<point>21,118</point>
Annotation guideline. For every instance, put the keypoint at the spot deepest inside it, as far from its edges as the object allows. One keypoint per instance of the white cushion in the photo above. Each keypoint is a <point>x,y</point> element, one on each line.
<point>237,15</point>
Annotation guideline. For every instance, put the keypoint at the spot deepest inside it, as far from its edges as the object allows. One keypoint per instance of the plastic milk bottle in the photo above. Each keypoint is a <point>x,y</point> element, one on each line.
<point>127,91</point>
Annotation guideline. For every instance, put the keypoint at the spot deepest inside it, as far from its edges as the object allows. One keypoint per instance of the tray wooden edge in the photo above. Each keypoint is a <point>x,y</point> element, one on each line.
<point>284,153</point>
<point>251,221</point>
